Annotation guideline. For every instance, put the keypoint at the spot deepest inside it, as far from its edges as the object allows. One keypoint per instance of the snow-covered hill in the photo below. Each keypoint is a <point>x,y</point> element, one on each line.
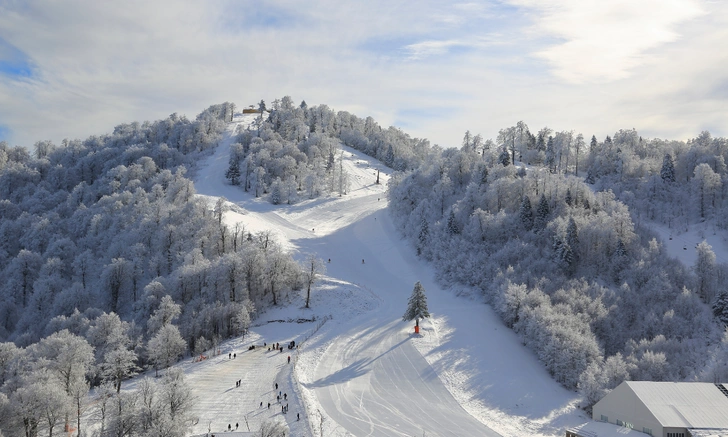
<point>364,372</point>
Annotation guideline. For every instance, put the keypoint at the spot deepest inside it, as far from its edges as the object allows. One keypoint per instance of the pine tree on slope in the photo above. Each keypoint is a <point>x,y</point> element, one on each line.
<point>667,172</point>
<point>504,158</point>
<point>417,305</point>
<point>526,213</point>
<point>720,307</point>
<point>542,214</point>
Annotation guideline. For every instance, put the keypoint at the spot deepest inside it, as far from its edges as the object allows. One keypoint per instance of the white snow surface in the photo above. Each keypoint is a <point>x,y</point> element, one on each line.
<point>360,370</point>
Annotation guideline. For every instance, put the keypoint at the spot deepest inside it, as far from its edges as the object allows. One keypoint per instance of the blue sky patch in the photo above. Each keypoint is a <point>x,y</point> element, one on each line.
<point>244,17</point>
<point>4,133</point>
<point>13,62</point>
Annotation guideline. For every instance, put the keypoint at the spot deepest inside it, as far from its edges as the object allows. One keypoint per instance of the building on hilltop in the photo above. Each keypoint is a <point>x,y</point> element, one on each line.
<point>664,409</point>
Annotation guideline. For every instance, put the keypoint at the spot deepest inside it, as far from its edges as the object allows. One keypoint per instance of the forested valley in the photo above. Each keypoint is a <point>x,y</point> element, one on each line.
<point>111,264</point>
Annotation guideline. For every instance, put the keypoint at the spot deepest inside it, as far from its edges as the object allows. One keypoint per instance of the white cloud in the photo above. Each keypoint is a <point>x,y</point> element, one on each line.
<point>605,40</point>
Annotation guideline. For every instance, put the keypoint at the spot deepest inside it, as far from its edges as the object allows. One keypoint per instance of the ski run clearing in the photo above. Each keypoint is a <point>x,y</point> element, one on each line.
<point>360,370</point>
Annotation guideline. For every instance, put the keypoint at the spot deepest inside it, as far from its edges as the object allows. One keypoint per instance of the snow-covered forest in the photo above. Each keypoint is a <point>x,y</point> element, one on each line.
<point>111,264</point>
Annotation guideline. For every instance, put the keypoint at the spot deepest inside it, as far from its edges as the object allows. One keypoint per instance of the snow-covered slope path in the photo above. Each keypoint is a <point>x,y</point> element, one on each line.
<point>369,375</point>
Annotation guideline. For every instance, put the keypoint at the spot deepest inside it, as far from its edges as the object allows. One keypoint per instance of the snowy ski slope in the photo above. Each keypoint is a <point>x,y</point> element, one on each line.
<point>364,372</point>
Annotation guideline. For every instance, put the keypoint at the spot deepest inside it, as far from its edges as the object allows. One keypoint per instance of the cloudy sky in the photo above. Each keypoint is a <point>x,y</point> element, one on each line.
<point>434,68</point>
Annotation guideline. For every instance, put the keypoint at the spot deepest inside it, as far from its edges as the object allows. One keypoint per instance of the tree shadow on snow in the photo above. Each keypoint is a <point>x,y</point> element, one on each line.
<point>352,371</point>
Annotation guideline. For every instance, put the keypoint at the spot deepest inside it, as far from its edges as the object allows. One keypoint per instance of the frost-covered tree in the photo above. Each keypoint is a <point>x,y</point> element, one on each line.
<point>68,359</point>
<point>707,185</point>
<point>119,363</point>
<point>167,312</point>
<point>165,347</point>
<point>312,270</point>
<point>241,320</point>
<point>705,269</point>
<point>578,146</point>
<point>417,305</point>
<point>276,192</point>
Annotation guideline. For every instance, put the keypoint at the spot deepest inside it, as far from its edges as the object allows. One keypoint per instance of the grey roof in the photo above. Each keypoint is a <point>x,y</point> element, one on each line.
<point>708,432</point>
<point>603,429</point>
<point>683,404</point>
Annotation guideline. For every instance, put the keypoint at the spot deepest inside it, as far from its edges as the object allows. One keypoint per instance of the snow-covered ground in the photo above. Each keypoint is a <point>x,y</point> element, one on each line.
<point>364,371</point>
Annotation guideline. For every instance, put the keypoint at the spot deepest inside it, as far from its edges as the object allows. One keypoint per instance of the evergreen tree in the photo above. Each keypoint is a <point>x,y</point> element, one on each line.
<point>331,161</point>
<point>452,225</point>
<point>275,192</point>
<point>572,238</point>
<point>569,200</point>
<point>389,158</point>
<point>593,145</point>
<point>541,142</point>
<point>423,236</point>
<point>417,305</point>
<point>720,307</point>
<point>619,260</point>
<point>483,175</point>
<point>542,214</point>
<point>621,250</point>
<point>551,155</point>
<point>667,172</point>
<point>504,158</point>
<point>233,172</point>
<point>526,213</point>
<point>590,177</point>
